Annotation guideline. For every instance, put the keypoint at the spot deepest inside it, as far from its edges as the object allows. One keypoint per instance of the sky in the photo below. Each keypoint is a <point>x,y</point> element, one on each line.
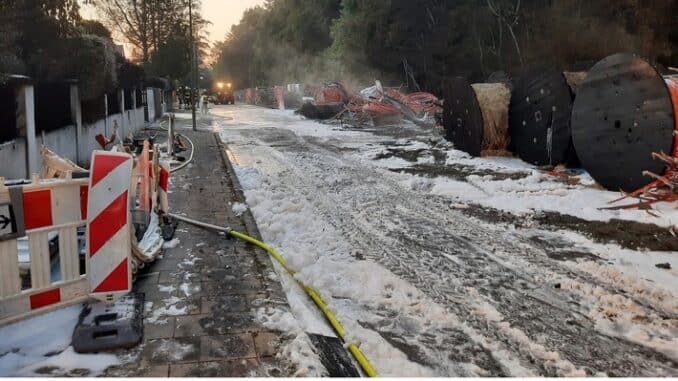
<point>224,13</point>
<point>221,13</point>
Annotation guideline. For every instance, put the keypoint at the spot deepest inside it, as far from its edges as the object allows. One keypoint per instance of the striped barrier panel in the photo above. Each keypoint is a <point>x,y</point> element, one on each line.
<point>279,97</point>
<point>108,226</point>
<point>144,191</point>
<point>144,172</point>
<point>154,172</point>
<point>163,188</point>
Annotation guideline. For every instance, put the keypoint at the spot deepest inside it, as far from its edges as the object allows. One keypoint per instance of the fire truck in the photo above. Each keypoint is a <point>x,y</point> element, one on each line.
<point>223,93</point>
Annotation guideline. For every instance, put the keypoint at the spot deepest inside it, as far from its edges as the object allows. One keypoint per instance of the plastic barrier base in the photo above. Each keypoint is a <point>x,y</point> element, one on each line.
<point>103,328</point>
<point>168,227</point>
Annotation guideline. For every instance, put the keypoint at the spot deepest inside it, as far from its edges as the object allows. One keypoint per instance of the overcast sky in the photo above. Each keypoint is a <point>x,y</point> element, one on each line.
<point>222,14</point>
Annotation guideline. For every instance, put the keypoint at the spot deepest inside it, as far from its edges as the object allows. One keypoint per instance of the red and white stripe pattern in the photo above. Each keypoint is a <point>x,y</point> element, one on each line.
<point>53,203</point>
<point>280,96</point>
<point>108,228</point>
<point>32,302</point>
<point>144,171</point>
<point>163,187</point>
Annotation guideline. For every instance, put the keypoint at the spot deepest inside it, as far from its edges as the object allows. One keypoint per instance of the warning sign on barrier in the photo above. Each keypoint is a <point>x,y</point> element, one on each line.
<point>108,229</point>
<point>7,224</point>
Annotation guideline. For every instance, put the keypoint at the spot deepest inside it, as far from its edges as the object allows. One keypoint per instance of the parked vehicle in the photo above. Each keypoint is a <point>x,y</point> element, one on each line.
<point>223,93</point>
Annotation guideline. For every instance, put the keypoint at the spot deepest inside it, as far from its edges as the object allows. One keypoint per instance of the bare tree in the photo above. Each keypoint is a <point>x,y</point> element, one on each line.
<point>146,24</point>
<point>509,18</point>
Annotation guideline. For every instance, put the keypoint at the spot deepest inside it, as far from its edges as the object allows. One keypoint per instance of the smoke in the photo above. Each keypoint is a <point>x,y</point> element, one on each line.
<point>284,64</point>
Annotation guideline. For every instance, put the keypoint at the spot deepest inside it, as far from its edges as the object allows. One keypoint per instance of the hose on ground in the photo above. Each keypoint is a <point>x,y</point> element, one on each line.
<point>315,296</point>
<point>160,125</point>
<point>190,158</point>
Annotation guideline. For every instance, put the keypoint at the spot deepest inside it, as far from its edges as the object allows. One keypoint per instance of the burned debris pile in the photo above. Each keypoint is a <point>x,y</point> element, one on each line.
<point>373,105</point>
<point>617,120</point>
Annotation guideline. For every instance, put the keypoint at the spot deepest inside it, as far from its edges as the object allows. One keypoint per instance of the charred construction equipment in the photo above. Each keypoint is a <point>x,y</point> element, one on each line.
<point>376,104</point>
<point>475,116</point>
<point>530,118</point>
<point>539,116</point>
<point>330,99</point>
<point>615,121</point>
<point>624,112</point>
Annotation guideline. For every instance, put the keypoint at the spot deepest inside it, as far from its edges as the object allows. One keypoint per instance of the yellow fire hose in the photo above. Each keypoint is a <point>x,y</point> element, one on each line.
<point>338,328</point>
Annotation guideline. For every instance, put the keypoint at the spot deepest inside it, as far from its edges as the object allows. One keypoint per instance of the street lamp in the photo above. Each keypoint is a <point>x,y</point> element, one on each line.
<point>194,65</point>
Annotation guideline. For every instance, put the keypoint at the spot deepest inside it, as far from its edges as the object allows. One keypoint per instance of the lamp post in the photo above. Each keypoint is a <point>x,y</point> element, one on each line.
<point>193,63</point>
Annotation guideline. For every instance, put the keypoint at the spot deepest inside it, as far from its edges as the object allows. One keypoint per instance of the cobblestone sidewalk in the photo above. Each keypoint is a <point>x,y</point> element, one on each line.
<point>202,296</point>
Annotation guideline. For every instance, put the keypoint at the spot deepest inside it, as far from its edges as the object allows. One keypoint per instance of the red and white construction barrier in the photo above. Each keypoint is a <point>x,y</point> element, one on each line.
<point>144,173</point>
<point>41,210</point>
<point>279,97</point>
<point>50,211</point>
<point>163,187</point>
<point>108,230</point>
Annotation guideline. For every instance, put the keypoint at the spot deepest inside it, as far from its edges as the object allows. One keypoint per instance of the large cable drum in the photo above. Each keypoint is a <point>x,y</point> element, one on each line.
<point>539,116</point>
<point>462,117</point>
<point>475,116</point>
<point>623,113</point>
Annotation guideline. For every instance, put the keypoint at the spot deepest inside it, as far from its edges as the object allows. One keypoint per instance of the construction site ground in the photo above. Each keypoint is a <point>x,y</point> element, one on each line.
<point>442,264</point>
<point>435,262</point>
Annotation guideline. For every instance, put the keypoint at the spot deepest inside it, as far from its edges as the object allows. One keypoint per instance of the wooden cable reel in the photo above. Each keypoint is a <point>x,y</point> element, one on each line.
<point>624,112</point>
<point>539,116</point>
<point>475,116</point>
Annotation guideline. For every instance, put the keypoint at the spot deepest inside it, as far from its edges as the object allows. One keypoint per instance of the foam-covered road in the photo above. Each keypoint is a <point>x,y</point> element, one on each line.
<point>426,287</point>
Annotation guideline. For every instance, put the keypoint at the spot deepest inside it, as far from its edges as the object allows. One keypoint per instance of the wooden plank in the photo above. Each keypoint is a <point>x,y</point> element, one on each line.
<point>68,253</point>
<point>38,245</point>
<point>17,307</point>
<point>10,282</point>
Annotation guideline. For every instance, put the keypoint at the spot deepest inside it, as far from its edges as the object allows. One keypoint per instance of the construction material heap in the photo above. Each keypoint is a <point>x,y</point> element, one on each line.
<point>374,104</point>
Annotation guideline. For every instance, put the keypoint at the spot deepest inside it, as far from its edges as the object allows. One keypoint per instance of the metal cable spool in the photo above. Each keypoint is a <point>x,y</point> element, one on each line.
<point>624,112</point>
<point>475,116</point>
<point>539,116</point>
